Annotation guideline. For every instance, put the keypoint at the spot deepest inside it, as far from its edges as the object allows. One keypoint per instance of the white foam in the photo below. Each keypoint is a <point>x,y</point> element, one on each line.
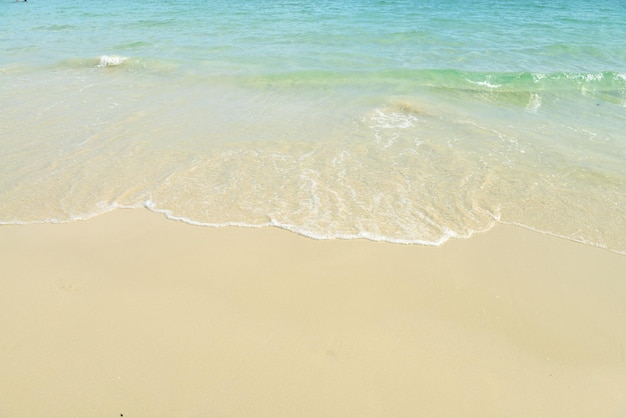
<point>392,120</point>
<point>386,125</point>
<point>565,237</point>
<point>102,208</point>
<point>594,77</point>
<point>446,233</point>
<point>111,60</point>
<point>534,103</point>
<point>484,84</point>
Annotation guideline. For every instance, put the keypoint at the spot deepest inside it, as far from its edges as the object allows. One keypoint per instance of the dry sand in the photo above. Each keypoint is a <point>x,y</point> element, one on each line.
<point>135,315</point>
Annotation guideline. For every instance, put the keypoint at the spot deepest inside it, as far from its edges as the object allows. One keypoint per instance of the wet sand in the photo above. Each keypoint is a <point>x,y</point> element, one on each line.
<point>133,314</point>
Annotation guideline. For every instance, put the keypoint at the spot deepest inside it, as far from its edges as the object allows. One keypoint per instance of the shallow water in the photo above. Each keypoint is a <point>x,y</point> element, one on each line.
<point>402,121</point>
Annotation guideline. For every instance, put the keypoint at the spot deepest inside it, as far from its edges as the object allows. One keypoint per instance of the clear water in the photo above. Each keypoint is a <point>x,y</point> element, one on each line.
<point>403,121</point>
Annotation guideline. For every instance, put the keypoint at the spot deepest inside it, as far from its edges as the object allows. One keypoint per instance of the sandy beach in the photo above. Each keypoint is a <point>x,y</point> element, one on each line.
<point>308,179</point>
<point>130,314</point>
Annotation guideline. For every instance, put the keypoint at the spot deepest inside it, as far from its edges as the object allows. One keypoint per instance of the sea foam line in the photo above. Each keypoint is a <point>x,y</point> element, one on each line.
<point>446,235</point>
<point>80,217</point>
<point>565,237</point>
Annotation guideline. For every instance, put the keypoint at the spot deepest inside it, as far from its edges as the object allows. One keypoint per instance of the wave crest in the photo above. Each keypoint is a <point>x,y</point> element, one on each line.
<point>111,60</point>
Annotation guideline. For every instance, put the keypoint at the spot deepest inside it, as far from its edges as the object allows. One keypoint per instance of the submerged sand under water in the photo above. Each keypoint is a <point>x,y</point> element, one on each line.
<point>327,161</point>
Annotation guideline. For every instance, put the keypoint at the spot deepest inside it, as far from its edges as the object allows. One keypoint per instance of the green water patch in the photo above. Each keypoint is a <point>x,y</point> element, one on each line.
<point>512,88</point>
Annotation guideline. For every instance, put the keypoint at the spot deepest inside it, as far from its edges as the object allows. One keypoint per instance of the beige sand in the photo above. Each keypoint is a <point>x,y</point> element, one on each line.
<point>132,314</point>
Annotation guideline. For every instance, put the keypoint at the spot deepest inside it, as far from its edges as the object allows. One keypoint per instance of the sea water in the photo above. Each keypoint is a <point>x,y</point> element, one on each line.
<point>402,120</point>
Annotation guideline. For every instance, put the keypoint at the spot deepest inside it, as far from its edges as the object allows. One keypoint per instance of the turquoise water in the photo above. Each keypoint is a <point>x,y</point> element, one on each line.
<point>402,121</point>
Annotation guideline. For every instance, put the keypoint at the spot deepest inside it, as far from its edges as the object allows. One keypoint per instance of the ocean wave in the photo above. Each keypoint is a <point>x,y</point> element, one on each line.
<point>515,87</point>
<point>520,81</point>
<point>130,65</point>
<point>94,62</point>
<point>111,60</point>
<point>525,88</point>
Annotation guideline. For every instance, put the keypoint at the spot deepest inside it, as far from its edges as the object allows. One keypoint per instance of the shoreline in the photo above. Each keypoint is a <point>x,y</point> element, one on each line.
<point>135,314</point>
<point>309,235</point>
